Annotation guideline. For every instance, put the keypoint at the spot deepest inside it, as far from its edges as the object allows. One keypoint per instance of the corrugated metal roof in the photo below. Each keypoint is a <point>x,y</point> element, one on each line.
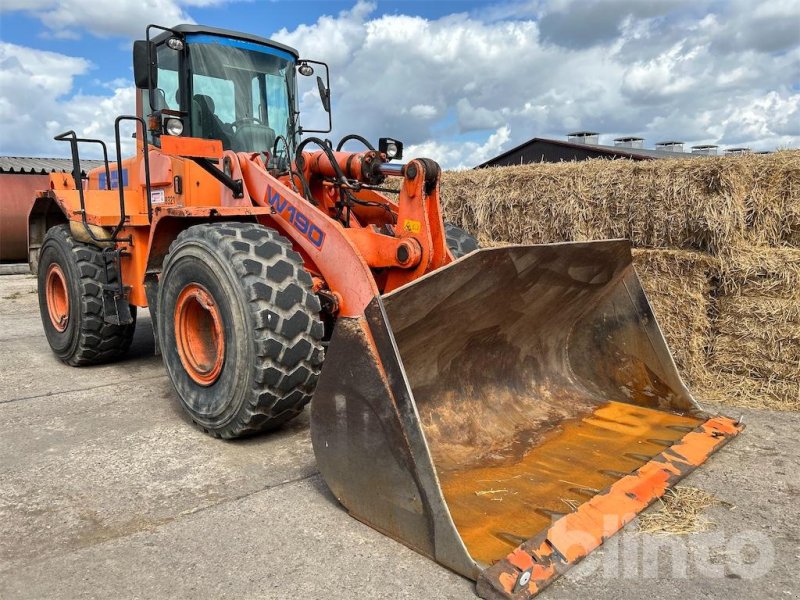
<point>600,149</point>
<point>42,166</point>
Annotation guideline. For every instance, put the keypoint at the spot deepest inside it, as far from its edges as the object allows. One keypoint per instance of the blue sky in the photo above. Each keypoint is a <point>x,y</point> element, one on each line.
<point>111,56</point>
<point>458,80</point>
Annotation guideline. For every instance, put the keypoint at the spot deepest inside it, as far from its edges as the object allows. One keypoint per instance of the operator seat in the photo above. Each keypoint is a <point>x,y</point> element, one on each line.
<point>160,99</point>
<point>207,123</point>
<point>253,137</point>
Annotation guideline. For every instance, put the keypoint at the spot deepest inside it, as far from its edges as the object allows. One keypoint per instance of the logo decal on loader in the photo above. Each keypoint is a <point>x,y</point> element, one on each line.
<point>301,222</point>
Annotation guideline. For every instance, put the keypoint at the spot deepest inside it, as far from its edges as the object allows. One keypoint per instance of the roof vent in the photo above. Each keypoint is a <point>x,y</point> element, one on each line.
<point>705,149</point>
<point>629,142</point>
<point>584,137</point>
<point>670,146</point>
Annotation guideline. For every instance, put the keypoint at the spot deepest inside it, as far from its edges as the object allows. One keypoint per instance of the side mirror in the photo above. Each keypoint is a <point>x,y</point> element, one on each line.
<point>305,69</point>
<point>145,65</point>
<point>324,94</point>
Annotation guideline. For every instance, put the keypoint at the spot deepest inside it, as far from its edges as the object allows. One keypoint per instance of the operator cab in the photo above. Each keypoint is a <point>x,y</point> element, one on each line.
<point>216,84</point>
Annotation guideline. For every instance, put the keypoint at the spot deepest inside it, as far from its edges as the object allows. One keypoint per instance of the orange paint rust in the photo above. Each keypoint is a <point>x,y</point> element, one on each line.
<point>508,581</point>
<point>724,425</point>
<point>520,559</point>
<point>495,508</point>
<point>540,573</point>
<point>695,446</point>
<point>578,533</point>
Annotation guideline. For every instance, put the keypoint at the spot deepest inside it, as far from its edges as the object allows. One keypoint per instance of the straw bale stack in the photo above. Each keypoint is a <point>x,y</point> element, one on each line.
<point>678,285</point>
<point>755,351</point>
<point>707,204</point>
<point>718,252</point>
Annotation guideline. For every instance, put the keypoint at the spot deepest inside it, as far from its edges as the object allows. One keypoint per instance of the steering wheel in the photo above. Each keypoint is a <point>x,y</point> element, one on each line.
<point>245,120</point>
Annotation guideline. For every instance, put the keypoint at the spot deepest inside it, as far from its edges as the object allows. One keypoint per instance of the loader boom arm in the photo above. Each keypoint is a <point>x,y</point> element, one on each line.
<point>401,240</point>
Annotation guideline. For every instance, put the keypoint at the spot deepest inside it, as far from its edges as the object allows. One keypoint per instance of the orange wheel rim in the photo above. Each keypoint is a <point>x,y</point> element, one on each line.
<point>57,297</point>
<point>199,334</point>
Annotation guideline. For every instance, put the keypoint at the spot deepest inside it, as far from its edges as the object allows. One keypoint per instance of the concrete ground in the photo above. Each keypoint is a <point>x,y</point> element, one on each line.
<point>106,491</point>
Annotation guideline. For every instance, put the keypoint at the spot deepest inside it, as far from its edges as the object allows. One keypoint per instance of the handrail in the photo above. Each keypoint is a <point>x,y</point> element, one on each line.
<point>73,139</point>
<point>146,153</point>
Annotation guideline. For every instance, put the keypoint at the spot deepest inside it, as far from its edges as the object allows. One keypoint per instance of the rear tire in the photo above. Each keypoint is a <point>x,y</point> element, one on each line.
<point>459,242</point>
<point>70,280</point>
<point>239,328</point>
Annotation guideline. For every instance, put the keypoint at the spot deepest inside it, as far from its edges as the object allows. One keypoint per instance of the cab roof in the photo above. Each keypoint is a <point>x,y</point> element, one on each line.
<point>186,29</point>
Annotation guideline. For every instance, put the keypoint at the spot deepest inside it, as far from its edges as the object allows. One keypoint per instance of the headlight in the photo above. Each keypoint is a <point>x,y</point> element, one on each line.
<point>175,43</point>
<point>391,148</point>
<point>174,126</point>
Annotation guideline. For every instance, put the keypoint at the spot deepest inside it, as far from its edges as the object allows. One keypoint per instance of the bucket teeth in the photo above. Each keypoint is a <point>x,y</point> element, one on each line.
<point>680,428</point>
<point>662,443</point>
<point>613,474</point>
<point>553,515</point>
<point>585,492</point>
<point>572,537</point>
<point>638,457</point>
<point>509,538</point>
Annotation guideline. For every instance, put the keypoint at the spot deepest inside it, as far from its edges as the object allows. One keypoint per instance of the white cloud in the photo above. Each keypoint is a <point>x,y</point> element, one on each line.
<point>461,155</point>
<point>703,71</point>
<point>67,18</point>
<point>650,67</point>
<point>423,111</point>
<point>769,116</point>
<point>661,77</point>
<point>35,104</point>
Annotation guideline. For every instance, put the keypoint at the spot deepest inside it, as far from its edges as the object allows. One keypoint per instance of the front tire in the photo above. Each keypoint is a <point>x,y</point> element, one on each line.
<point>459,242</point>
<point>70,281</point>
<point>239,328</point>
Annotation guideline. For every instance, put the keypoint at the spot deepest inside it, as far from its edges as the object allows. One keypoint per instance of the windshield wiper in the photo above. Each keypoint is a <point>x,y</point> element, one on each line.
<point>292,113</point>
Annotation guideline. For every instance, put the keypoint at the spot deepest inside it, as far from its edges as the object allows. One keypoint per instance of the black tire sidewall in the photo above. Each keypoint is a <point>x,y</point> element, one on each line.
<point>194,262</point>
<point>63,343</point>
<point>459,241</point>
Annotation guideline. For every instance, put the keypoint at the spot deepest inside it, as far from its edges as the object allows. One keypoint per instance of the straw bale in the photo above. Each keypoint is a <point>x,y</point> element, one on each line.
<point>708,204</point>
<point>772,197</point>
<point>771,393</point>
<point>760,271</point>
<point>756,358</point>
<point>718,252</point>
<point>758,315</point>
<point>678,286</point>
<point>757,336</point>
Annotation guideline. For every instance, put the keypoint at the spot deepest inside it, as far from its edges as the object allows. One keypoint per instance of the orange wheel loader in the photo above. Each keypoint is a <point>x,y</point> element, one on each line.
<point>502,411</point>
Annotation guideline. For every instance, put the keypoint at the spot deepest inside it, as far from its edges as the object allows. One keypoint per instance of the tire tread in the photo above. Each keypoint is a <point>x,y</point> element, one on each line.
<point>285,314</point>
<point>459,241</point>
<point>99,342</point>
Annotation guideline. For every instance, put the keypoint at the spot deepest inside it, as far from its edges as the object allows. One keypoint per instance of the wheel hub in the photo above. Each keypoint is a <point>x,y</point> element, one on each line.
<point>199,334</point>
<point>57,297</point>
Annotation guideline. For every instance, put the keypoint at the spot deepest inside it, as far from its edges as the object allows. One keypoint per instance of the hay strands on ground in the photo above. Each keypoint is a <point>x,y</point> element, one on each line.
<point>681,512</point>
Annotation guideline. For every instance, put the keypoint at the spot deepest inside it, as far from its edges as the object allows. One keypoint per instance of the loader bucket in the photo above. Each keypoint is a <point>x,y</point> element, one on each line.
<point>506,414</point>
